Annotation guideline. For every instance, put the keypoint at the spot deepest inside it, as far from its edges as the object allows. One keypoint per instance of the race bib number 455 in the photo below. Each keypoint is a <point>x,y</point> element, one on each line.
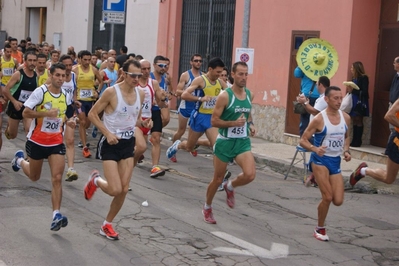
<point>237,132</point>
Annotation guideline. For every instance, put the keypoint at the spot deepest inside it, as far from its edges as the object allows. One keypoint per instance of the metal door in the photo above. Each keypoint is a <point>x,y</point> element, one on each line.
<point>207,29</point>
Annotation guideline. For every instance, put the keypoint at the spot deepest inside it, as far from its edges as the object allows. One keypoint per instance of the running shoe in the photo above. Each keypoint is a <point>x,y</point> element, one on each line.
<point>208,216</point>
<point>232,162</point>
<point>17,155</point>
<point>86,152</point>
<point>157,171</point>
<point>225,178</point>
<point>320,234</point>
<point>94,132</point>
<point>108,231</point>
<point>80,144</point>
<point>173,159</point>
<point>141,159</point>
<point>90,186</point>
<point>356,175</point>
<point>7,134</point>
<point>230,196</point>
<point>71,175</point>
<point>172,149</point>
<point>310,181</point>
<point>58,221</point>
<point>195,152</point>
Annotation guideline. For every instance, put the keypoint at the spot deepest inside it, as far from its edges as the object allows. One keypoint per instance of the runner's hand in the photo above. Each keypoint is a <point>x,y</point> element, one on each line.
<point>252,130</point>
<point>241,121</point>
<point>53,112</point>
<point>206,98</point>
<point>112,139</point>
<point>321,150</point>
<point>17,105</point>
<point>147,123</point>
<point>347,157</point>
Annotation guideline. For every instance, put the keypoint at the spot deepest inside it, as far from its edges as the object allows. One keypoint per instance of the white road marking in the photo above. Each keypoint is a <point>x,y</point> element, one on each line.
<point>277,250</point>
<point>2,263</point>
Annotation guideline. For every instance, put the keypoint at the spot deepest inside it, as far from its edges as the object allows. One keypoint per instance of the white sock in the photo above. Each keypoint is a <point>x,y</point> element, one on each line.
<point>207,207</point>
<point>70,169</point>
<point>19,160</point>
<point>55,212</point>
<point>95,180</point>
<point>105,222</point>
<point>363,171</point>
<point>230,186</point>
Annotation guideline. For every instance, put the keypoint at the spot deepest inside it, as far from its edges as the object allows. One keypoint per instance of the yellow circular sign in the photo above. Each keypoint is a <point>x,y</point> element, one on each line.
<point>316,58</point>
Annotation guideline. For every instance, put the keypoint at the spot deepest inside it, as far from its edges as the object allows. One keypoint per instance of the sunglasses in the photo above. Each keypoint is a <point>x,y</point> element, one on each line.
<point>162,65</point>
<point>197,61</point>
<point>134,75</point>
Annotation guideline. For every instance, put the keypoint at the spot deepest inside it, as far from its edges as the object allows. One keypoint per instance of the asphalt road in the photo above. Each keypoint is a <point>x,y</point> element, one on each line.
<point>272,222</point>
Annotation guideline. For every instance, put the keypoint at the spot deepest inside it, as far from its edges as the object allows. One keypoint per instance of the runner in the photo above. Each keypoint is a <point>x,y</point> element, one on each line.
<point>389,175</point>
<point>122,113</point>
<point>41,69</point>
<point>152,91</point>
<point>54,58</point>
<point>232,115</point>
<point>17,91</point>
<point>86,75</point>
<point>47,107</point>
<point>8,67</point>
<point>331,139</point>
<point>200,120</point>
<point>18,55</point>
<point>69,89</point>
<point>187,107</point>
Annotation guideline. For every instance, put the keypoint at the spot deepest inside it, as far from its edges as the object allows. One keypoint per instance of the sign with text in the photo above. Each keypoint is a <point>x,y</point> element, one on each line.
<point>114,11</point>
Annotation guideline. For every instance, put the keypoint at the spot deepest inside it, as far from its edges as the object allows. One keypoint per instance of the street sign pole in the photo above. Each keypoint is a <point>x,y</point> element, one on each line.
<point>111,39</point>
<point>114,12</point>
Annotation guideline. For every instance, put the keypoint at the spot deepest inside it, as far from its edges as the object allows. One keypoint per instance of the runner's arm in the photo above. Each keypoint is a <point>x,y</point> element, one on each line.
<point>182,82</point>
<point>13,80</point>
<point>390,116</point>
<point>347,155</point>
<point>314,126</point>
<point>216,121</point>
<point>160,95</point>
<point>198,83</point>
<point>99,107</point>
<point>99,78</point>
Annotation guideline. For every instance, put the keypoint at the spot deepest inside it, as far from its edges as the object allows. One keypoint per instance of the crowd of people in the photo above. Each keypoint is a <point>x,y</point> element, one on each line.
<point>53,93</point>
<point>126,97</point>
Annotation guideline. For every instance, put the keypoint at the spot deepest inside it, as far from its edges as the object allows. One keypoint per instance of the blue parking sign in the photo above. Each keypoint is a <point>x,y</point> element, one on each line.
<point>114,5</point>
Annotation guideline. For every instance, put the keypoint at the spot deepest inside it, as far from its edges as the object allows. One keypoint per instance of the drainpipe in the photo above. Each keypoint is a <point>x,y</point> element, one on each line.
<point>245,24</point>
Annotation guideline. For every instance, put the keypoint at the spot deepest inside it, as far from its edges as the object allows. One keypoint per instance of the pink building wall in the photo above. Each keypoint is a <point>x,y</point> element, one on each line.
<point>345,24</point>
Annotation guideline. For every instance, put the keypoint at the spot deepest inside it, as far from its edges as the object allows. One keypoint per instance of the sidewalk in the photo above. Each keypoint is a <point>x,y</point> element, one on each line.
<point>278,157</point>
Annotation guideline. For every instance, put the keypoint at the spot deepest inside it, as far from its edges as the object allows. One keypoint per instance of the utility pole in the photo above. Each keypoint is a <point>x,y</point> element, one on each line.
<point>245,24</point>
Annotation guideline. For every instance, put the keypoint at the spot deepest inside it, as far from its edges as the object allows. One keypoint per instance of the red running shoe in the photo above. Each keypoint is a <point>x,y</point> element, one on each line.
<point>108,232</point>
<point>356,175</point>
<point>230,196</point>
<point>320,234</point>
<point>208,216</point>
<point>90,187</point>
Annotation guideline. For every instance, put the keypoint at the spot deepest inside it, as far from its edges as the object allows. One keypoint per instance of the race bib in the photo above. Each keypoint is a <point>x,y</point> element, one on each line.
<point>51,124</point>
<point>86,93</point>
<point>237,132</point>
<point>210,104</point>
<point>146,109</point>
<point>8,71</point>
<point>24,95</point>
<point>126,133</point>
<point>334,144</point>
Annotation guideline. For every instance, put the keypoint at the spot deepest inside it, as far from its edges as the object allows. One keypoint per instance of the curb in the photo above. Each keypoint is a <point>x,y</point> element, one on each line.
<point>296,172</point>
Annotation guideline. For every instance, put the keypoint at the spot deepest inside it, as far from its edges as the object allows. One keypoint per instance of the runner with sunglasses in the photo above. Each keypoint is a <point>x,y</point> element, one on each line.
<point>187,107</point>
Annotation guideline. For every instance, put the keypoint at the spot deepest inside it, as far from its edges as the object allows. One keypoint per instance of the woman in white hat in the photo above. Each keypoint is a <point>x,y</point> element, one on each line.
<point>360,99</point>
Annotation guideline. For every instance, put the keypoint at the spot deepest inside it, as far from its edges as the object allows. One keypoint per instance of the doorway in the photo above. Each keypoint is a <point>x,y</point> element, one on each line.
<point>37,24</point>
<point>294,84</point>
<point>387,51</point>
